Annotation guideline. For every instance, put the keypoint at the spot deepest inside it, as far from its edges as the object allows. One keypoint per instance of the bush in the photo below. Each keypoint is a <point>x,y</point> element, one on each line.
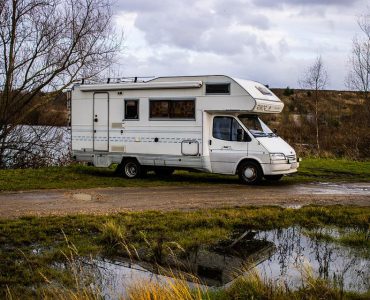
<point>288,91</point>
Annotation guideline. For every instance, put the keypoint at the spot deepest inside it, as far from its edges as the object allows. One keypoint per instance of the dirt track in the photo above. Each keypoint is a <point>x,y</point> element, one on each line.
<point>105,200</point>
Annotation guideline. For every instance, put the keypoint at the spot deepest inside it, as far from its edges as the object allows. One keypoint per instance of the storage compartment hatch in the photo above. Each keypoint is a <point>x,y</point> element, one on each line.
<point>190,147</point>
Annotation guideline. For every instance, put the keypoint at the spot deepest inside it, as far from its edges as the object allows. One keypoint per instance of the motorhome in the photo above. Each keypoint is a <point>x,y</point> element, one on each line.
<point>205,123</point>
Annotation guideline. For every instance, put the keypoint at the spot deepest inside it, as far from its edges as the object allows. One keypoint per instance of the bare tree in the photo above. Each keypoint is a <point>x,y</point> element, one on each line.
<point>315,78</point>
<point>358,77</point>
<point>45,45</point>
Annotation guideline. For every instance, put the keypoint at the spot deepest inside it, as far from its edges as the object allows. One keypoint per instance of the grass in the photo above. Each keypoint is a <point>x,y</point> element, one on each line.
<point>358,239</point>
<point>319,169</point>
<point>78,176</point>
<point>248,287</point>
<point>171,289</point>
<point>253,287</point>
<point>31,246</point>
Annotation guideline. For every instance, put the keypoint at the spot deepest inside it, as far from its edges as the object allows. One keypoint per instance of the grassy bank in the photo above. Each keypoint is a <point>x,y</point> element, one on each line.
<point>79,176</point>
<point>30,247</point>
<point>249,287</point>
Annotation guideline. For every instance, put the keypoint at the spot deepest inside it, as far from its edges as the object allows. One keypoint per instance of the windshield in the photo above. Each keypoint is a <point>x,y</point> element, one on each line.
<point>255,126</point>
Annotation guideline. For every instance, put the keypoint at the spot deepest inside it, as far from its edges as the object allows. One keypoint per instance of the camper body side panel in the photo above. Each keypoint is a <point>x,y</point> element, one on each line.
<point>152,142</point>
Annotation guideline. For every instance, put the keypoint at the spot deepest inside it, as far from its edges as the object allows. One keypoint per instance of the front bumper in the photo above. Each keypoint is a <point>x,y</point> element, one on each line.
<point>282,167</point>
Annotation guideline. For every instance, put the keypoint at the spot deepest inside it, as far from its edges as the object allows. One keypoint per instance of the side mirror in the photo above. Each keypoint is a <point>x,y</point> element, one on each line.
<point>274,130</point>
<point>247,138</point>
<point>242,136</point>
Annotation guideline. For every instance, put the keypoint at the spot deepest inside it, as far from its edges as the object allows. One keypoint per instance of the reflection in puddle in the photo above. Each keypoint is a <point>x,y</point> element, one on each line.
<point>278,255</point>
<point>344,266</point>
<point>115,277</point>
<point>222,264</point>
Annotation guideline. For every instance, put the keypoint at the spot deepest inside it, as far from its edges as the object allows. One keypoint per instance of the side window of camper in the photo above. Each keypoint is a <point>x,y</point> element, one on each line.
<point>228,129</point>
<point>218,88</point>
<point>172,109</point>
<point>132,109</point>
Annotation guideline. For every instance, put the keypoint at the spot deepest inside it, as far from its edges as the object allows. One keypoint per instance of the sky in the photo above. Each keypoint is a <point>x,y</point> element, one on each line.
<point>270,41</point>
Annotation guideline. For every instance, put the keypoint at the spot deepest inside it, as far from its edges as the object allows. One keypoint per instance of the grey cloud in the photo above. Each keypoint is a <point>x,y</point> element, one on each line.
<point>242,12</point>
<point>226,42</point>
<point>275,3</point>
<point>172,28</point>
<point>142,5</point>
<point>193,37</point>
<point>197,34</point>
<point>283,47</point>
<point>203,28</point>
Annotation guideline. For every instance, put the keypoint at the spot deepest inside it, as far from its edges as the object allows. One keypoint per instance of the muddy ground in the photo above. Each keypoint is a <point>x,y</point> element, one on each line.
<point>105,200</point>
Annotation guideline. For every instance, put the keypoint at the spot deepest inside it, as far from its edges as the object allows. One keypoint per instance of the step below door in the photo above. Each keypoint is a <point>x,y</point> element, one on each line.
<point>101,121</point>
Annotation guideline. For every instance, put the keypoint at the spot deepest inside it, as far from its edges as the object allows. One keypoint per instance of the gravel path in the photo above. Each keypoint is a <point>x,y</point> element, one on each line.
<point>105,200</point>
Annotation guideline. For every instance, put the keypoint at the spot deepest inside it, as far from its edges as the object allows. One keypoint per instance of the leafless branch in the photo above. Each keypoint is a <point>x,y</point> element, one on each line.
<point>315,78</point>
<point>358,77</point>
<point>45,46</point>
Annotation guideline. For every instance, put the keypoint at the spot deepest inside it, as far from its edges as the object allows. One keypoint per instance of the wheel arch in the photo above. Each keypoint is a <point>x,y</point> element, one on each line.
<point>248,159</point>
<point>126,158</point>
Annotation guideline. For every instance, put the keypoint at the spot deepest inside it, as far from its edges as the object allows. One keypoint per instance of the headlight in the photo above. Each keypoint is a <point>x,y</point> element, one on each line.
<point>277,156</point>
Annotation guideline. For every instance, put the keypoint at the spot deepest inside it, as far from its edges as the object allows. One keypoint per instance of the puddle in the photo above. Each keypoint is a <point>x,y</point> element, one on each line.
<point>278,255</point>
<point>114,277</point>
<point>294,206</point>
<point>295,251</point>
<point>82,197</point>
<point>325,188</point>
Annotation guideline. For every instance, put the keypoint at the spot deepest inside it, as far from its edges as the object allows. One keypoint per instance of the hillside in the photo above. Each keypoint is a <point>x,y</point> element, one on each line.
<point>343,122</point>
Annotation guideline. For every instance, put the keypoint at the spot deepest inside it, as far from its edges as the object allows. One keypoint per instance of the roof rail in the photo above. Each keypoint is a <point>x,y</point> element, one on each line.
<point>117,80</point>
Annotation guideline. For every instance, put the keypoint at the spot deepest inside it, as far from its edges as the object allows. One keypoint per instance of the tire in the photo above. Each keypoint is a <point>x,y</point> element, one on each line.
<point>273,177</point>
<point>250,173</point>
<point>119,170</point>
<point>163,172</point>
<point>131,168</point>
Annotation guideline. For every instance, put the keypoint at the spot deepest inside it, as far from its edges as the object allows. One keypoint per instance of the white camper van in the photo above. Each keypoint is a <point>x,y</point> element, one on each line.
<point>206,123</point>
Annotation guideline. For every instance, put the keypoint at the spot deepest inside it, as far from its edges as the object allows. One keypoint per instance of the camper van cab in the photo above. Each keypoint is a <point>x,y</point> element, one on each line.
<point>206,123</point>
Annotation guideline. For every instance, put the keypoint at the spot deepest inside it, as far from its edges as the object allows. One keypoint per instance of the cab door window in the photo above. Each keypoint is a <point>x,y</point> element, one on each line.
<point>228,129</point>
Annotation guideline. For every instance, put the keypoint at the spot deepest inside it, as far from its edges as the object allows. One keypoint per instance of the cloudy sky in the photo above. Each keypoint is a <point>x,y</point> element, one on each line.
<point>271,41</point>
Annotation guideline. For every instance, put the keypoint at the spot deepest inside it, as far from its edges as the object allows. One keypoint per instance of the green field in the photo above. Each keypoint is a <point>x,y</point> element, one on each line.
<point>80,176</point>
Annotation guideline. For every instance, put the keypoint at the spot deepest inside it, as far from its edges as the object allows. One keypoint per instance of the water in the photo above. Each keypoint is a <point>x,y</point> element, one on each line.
<point>282,256</point>
<point>36,146</point>
<point>115,277</point>
<point>322,188</point>
<point>296,252</point>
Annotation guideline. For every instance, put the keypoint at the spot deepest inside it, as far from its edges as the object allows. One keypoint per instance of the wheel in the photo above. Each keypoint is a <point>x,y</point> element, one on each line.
<point>163,172</point>
<point>273,177</point>
<point>119,170</point>
<point>131,168</point>
<point>250,172</point>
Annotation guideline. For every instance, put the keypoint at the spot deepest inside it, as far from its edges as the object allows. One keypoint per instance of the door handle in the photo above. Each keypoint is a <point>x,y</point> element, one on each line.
<point>226,147</point>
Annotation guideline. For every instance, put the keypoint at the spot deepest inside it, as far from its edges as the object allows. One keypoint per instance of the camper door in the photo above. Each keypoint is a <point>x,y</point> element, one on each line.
<point>228,144</point>
<point>101,121</point>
